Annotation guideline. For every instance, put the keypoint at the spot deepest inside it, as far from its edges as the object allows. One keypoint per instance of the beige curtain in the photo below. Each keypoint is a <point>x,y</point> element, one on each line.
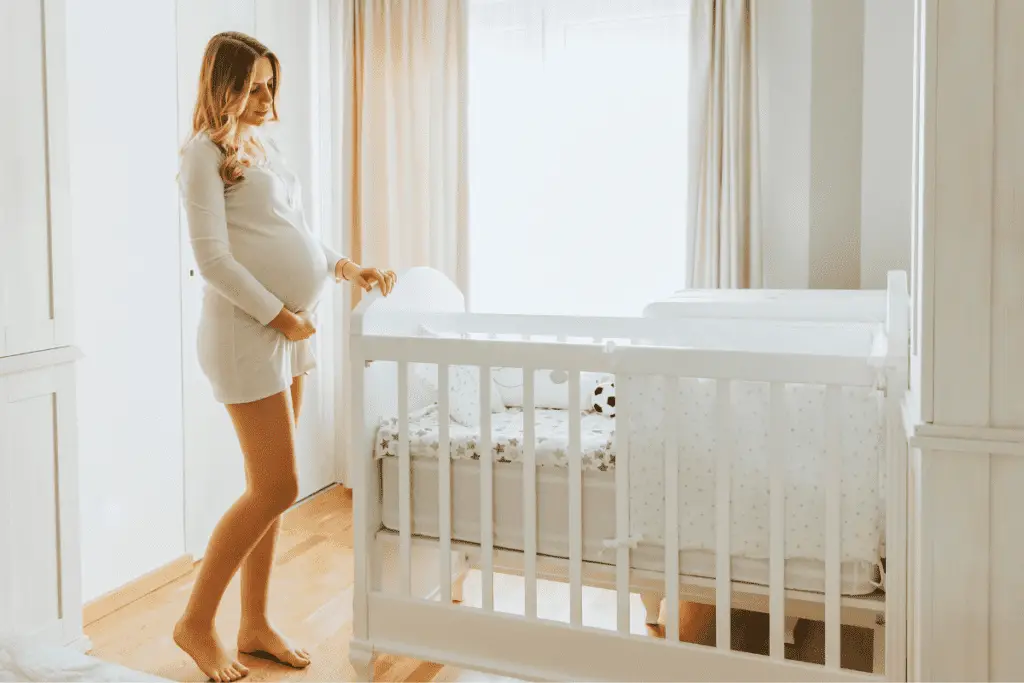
<point>405,143</point>
<point>724,222</point>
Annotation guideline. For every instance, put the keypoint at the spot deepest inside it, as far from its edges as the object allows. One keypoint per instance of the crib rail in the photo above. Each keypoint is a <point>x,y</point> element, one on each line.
<point>607,327</point>
<point>783,334</point>
<point>420,625</point>
<point>639,359</point>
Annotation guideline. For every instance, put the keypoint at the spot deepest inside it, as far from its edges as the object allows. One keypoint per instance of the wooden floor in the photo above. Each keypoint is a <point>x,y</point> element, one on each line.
<point>311,601</point>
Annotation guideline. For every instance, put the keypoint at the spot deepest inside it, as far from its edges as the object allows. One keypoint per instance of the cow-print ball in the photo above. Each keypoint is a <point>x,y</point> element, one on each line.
<point>603,400</point>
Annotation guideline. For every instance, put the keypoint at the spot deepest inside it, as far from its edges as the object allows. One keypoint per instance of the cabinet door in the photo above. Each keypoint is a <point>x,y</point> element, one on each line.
<point>34,203</point>
<point>39,568</point>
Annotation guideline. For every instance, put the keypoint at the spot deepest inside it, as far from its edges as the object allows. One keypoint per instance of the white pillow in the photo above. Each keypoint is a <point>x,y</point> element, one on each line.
<point>380,397</point>
<point>463,387</point>
<point>550,387</point>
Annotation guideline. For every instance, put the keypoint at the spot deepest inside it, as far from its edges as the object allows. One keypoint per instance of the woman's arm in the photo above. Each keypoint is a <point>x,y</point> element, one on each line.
<point>335,262</point>
<point>202,192</point>
<point>365,278</point>
<point>345,268</point>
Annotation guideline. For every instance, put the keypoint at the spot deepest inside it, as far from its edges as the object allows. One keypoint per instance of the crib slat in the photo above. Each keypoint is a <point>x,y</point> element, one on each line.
<point>723,521</point>
<point>404,484</point>
<point>777,517</point>
<point>444,483</point>
<point>622,502</point>
<point>529,493</point>
<point>362,501</point>
<point>833,527</point>
<point>575,502</point>
<point>892,651</point>
<point>668,426</point>
<point>486,492</point>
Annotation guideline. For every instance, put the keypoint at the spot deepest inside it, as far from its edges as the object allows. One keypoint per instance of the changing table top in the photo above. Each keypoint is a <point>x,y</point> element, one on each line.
<point>778,304</point>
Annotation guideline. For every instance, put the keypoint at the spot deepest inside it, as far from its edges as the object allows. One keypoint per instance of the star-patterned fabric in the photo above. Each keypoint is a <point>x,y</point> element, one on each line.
<point>551,444</point>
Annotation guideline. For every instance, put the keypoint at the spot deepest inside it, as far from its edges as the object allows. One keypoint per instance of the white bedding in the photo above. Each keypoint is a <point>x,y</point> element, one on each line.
<point>552,430</point>
<point>24,659</point>
<point>862,509</point>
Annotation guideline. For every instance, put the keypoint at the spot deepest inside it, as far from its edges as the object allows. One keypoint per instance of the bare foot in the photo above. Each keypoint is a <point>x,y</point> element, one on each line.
<point>266,642</point>
<point>203,646</point>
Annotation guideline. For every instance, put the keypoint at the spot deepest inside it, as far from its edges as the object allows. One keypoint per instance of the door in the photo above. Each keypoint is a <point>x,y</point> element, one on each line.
<point>214,475</point>
<point>34,236</point>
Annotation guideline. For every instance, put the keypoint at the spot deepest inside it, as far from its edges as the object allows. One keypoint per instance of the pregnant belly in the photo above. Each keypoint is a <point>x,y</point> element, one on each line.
<point>291,265</point>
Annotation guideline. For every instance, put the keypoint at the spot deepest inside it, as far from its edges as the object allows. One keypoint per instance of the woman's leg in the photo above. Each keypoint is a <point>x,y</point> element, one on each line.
<point>266,433</point>
<point>256,635</point>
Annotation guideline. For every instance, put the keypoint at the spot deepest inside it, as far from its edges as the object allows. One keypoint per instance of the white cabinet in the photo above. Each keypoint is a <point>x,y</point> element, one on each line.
<point>40,571</point>
<point>35,292</point>
<point>967,400</point>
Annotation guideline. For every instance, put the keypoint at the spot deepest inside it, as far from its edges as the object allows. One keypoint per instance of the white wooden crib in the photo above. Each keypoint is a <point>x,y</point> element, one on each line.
<point>755,460</point>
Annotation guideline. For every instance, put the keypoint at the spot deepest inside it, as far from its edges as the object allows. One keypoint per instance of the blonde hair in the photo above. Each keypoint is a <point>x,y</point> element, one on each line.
<point>225,80</point>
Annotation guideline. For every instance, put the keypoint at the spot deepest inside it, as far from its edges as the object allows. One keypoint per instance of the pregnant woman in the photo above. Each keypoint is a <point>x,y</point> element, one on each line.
<point>264,273</point>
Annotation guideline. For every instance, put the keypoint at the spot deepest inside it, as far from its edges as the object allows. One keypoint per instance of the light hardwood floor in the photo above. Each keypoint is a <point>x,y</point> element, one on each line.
<point>311,601</point>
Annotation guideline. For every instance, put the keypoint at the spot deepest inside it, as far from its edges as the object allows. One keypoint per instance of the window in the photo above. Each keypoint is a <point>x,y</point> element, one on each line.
<point>577,150</point>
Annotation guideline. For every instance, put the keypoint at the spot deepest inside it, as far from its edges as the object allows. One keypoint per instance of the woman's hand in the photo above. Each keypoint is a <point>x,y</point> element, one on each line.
<point>293,327</point>
<point>366,277</point>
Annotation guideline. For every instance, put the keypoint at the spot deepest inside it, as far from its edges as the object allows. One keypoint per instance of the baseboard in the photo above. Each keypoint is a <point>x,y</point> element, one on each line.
<point>140,587</point>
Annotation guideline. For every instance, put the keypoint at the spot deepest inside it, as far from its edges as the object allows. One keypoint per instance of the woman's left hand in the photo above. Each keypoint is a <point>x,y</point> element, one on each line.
<point>366,277</point>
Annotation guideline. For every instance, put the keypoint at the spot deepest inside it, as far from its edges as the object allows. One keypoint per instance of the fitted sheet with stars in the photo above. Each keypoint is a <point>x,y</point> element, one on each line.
<point>552,438</point>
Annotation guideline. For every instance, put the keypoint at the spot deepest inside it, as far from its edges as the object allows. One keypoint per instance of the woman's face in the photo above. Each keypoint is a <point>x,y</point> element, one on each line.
<point>261,98</point>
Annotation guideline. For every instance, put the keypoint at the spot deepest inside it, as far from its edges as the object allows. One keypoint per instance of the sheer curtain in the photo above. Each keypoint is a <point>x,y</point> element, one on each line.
<point>577,154</point>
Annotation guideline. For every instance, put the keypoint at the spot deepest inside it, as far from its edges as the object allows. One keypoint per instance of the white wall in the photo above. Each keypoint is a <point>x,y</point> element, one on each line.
<point>887,139</point>
<point>123,110</point>
<point>836,147</point>
<point>784,71</point>
<point>837,59</point>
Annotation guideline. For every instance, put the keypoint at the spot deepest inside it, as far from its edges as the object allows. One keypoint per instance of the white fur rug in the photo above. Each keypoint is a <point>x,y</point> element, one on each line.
<point>23,659</point>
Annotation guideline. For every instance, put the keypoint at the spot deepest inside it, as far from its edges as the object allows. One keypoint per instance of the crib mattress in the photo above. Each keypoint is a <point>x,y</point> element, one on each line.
<point>552,523</point>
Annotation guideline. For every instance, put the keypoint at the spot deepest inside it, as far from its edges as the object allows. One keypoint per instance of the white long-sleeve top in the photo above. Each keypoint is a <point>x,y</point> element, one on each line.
<point>256,255</point>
